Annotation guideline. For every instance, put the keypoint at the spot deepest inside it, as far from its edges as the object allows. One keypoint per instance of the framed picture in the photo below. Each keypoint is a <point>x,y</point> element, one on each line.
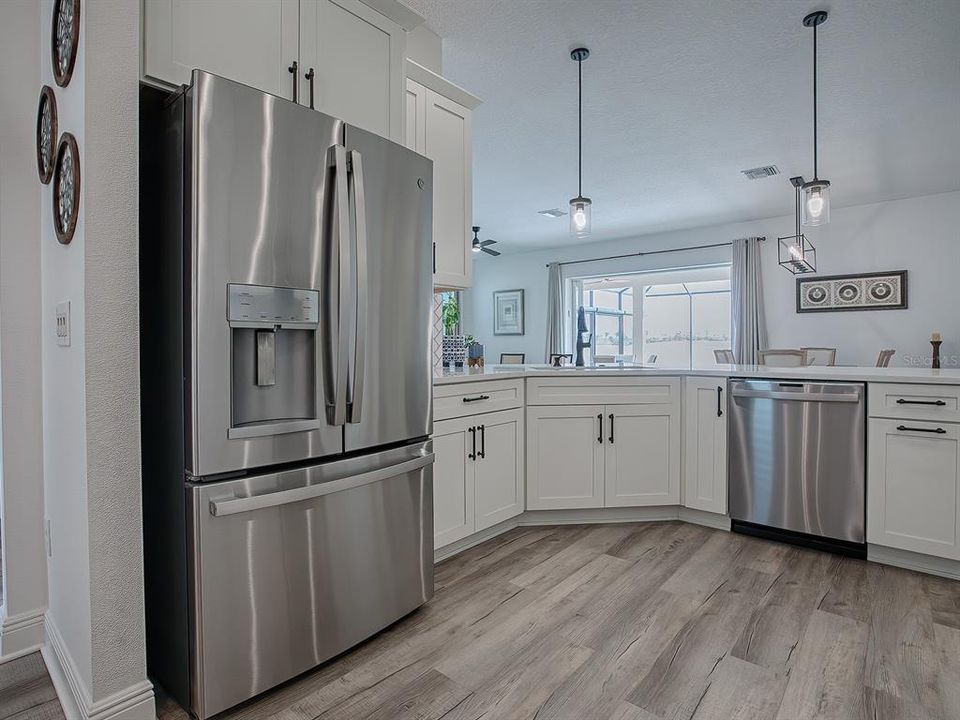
<point>508,312</point>
<point>866,291</point>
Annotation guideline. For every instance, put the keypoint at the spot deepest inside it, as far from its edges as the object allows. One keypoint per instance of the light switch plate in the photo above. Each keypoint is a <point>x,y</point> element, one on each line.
<point>63,323</point>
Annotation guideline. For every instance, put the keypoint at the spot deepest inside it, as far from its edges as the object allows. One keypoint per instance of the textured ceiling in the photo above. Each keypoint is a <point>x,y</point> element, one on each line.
<point>680,95</point>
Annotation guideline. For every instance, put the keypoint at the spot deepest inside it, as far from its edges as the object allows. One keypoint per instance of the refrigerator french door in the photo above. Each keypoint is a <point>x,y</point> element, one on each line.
<point>285,300</point>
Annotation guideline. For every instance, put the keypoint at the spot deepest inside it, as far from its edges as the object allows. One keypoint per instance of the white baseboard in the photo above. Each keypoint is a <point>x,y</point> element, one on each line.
<point>588,516</point>
<point>455,548</point>
<point>914,561</point>
<point>20,634</point>
<point>133,703</point>
<point>707,519</point>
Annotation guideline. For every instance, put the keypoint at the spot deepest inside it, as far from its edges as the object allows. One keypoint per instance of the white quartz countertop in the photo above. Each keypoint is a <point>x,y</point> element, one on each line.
<point>950,376</point>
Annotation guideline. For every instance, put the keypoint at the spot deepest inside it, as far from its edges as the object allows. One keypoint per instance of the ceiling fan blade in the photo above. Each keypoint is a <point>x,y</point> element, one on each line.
<point>488,251</point>
<point>488,242</point>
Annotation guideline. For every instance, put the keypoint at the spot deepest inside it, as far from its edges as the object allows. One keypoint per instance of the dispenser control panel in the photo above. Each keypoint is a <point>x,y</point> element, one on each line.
<point>259,305</point>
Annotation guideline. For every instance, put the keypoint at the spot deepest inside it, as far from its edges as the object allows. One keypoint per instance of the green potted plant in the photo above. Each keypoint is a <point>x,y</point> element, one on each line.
<point>454,346</point>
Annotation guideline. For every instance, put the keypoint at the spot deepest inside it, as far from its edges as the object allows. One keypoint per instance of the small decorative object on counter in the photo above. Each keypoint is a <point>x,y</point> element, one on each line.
<point>935,341</point>
<point>474,352</point>
<point>454,350</point>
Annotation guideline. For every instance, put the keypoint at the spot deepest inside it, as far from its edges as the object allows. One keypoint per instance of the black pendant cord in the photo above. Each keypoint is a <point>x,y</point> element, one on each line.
<point>815,175</point>
<point>580,128</point>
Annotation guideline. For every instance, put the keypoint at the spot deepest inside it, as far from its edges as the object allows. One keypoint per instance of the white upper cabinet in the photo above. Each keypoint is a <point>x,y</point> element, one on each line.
<point>357,58</point>
<point>439,125</point>
<point>356,54</point>
<point>705,444</point>
<point>251,41</point>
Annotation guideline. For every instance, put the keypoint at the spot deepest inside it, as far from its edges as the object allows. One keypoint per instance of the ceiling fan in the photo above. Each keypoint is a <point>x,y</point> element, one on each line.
<point>478,245</point>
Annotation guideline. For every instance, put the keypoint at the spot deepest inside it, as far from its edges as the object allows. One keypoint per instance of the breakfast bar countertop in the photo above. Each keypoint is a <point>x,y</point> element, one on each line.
<point>949,376</point>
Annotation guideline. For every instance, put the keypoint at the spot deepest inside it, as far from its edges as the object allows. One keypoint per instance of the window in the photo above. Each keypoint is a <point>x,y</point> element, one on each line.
<point>680,316</point>
<point>609,312</point>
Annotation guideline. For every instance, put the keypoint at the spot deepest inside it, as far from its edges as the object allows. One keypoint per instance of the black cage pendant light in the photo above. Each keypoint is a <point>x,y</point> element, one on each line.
<point>794,252</point>
<point>815,193</point>
<point>580,206</point>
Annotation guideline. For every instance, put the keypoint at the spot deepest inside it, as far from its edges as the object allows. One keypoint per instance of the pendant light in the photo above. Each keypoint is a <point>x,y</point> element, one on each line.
<point>580,206</point>
<point>815,194</point>
<point>796,253</point>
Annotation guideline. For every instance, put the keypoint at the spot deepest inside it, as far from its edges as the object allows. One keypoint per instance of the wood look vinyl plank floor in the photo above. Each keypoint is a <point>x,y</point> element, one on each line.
<point>26,691</point>
<point>657,621</point>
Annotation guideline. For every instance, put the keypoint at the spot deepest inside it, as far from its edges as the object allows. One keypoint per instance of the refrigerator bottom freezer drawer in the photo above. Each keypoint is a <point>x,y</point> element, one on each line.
<point>291,569</point>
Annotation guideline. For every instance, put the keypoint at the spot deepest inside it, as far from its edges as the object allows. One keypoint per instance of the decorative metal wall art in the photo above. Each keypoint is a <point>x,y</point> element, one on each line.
<point>64,37</point>
<point>46,133</point>
<point>66,188</point>
<point>866,291</point>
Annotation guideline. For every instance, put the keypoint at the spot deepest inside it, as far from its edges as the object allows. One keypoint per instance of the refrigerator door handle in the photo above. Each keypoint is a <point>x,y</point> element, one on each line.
<point>234,505</point>
<point>359,213</point>
<point>340,265</point>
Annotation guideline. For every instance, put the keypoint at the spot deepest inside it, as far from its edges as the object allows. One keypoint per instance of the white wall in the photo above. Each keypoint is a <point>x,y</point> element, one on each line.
<point>920,235</point>
<point>21,460</point>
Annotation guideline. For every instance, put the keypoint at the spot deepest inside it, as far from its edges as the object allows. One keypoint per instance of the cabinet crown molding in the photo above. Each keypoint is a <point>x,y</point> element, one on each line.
<point>439,84</point>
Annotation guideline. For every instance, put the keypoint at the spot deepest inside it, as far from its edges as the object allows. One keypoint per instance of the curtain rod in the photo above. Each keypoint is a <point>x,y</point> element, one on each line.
<point>648,252</point>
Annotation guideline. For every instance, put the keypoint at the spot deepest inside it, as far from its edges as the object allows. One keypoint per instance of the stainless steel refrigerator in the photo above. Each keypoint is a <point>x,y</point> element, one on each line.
<point>286,388</point>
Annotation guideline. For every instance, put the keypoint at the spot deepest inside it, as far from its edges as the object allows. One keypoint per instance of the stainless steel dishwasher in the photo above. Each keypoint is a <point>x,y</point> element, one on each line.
<point>796,462</point>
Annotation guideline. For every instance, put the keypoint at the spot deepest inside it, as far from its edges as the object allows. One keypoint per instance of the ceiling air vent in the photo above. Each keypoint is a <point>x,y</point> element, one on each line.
<point>553,212</point>
<point>758,173</point>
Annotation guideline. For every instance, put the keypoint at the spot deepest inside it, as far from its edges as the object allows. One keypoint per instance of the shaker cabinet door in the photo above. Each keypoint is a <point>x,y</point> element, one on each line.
<point>453,481</point>
<point>642,455</point>
<point>447,141</point>
<point>705,444</point>
<point>565,457</point>
<point>357,58</point>
<point>251,41</point>
<point>913,476</point>
<point>498,481</point>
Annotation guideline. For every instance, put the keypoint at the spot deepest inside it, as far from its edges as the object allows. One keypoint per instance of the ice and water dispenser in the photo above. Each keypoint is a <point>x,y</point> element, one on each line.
<point>273,359</point>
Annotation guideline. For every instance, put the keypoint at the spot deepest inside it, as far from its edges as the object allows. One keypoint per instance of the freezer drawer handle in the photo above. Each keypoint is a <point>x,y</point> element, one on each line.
<point>938,403</point>
<point>850,397</point>
<point>232,506</point>
<point>478,397</point>
<point>938,431</point>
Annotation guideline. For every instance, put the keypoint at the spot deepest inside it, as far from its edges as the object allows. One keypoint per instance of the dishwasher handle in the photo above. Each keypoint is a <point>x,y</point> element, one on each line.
<point>850,397</point>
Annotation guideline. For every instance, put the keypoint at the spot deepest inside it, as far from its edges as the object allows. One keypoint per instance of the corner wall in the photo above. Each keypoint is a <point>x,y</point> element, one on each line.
<point>920,235</point>
<point>21,447</point>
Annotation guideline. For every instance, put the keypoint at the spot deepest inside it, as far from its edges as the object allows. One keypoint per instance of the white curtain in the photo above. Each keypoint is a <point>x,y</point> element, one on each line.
<point>746,302</point>
<point>554,311</point>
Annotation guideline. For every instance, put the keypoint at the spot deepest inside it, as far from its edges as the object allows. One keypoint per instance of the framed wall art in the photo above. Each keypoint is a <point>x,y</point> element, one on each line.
<point>46,133</point>
<point>66,188</point>
<point>866,291</point>
<point>64,36</point>
<point>508,312</point>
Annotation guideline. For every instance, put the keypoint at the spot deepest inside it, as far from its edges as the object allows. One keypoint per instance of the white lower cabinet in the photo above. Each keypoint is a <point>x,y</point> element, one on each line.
<point>913,486</point>
<point>641,456</point>
<point>705,444</point>
<point>565,457</point>
<point>477,474</point>
<point>591,456</point>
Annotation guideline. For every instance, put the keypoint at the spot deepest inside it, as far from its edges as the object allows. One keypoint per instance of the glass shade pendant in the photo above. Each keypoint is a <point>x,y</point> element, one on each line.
<point>580,216</point>
<point>816,193</point>
<point>816,203</point>
<point>580,220</point>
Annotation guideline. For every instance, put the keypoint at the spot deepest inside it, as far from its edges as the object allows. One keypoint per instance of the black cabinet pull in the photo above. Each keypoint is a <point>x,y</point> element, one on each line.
<point>478,397</point>
<point>938,431</point>
<point>938,403</point>
<point>611,428</point>
<point>473,442</point>
<point>310,76</point>
<point>600,436</point>
<point>719,401</point>
<point>294,70</point>
<point>483,442</point>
